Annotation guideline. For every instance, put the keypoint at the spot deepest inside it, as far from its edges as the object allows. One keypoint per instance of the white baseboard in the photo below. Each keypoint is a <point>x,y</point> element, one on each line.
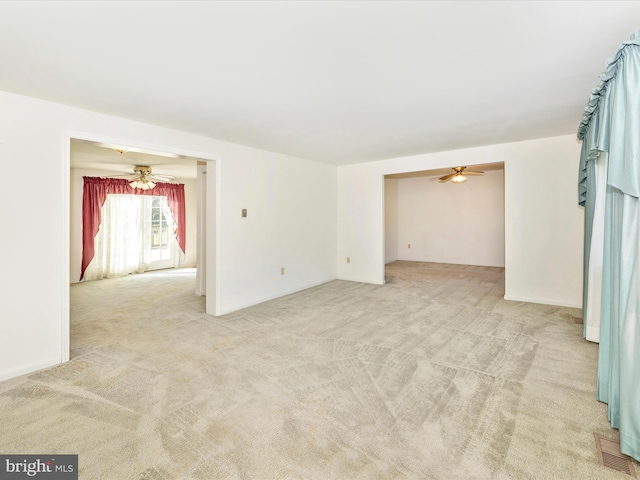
<point>424,260</point>
<point>554,303</point>
<point>235,308</point>
<point>29,369</point>
<point>359,280</point>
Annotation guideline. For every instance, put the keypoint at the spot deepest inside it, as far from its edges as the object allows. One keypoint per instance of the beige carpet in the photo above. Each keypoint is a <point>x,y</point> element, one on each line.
<point>431,376</point>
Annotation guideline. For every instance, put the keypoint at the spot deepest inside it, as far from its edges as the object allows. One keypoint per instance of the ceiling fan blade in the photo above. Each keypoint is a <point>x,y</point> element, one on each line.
<point>473,172</point>
<point>447,177</point>
<point>162,178</point>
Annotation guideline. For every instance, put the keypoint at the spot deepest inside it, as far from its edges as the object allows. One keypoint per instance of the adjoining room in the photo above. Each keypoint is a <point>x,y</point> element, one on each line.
<point>446,221</point>
<point>146,195</point>
<point>139,231</point>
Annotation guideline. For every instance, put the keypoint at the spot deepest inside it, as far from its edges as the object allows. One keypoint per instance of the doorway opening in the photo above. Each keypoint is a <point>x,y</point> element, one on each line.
<point>91,155</point>
<point>438,221</point>
<point>137,229</point>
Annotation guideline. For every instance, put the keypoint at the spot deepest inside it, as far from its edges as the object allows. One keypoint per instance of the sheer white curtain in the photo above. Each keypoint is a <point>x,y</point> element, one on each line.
<point>123,243</point>
<point>596,254</point>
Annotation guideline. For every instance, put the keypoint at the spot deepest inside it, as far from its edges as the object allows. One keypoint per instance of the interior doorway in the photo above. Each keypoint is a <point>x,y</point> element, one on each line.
<point>136,232</point>
<point>430,218</point>
<point>169,158</point>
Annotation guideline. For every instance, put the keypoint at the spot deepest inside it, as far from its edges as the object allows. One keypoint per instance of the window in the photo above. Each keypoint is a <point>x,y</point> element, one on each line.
<point>136,235</point>
<point>161,229</point>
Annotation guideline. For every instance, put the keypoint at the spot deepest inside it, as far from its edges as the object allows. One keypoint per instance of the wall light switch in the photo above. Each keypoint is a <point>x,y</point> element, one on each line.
<point>244,212</point>
<point>409,246</point>
<point>282,271</point>
<point>348,259</point>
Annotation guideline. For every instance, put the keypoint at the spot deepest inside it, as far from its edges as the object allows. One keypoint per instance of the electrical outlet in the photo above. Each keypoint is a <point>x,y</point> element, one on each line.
<point>348,259</point>
<point>244,212</point>
<point>409,246</point>
<point>282,271</point>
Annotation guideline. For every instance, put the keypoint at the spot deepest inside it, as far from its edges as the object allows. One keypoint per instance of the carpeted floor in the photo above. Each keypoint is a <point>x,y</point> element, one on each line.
<point>431,376</point>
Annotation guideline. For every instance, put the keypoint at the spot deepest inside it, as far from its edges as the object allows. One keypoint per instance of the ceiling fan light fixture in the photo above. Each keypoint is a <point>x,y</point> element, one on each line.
<point>459,175</point>
<point>142,182</point>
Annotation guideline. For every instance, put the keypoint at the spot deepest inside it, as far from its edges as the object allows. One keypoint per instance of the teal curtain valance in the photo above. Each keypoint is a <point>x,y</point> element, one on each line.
<point>595,128</point>
<point>599,92</point>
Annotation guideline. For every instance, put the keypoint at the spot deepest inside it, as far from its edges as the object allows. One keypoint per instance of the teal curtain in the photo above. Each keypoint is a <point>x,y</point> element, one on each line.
<point>612,124</point>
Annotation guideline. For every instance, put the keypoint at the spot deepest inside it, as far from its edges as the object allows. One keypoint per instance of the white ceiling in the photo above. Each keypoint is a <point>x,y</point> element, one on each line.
<point>95,156</point>
<point>339,82</point>
<point>484,167</point>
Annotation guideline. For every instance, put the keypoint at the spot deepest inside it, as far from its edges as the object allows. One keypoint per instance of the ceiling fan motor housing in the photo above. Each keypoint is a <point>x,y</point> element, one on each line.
<point>142,169</point>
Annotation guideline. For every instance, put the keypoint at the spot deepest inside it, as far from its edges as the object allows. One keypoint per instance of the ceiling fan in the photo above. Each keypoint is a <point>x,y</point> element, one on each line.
<point>458,175</point>
<point>144,178</point>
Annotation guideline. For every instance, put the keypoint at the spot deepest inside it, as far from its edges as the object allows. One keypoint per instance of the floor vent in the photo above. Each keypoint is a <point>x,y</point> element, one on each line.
<point>609,455</point>
<point>577,320</point>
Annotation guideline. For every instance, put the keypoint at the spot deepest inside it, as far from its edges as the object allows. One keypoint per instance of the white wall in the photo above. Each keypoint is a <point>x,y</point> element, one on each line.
<point>543,223</point>
<point>390,220</point>
<point>544,242</point>
<point>291,223</point>
<point>75,231</point>
<point>452,223</point>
